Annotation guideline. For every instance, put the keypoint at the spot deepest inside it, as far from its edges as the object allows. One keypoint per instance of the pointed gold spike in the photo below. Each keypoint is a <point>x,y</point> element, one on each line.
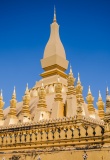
<point>79,78</point>
<point>100,94</point>
<point>89,90</point>
<point>107,91</point>
<point>14,91</point>
<point>1,93</point>
<point>71,69</point>
<point>54,19</point>
<point>27,87</point>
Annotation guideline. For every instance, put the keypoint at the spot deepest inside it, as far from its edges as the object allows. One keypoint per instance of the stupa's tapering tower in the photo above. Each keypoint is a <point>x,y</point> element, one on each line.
<point>54,59</point>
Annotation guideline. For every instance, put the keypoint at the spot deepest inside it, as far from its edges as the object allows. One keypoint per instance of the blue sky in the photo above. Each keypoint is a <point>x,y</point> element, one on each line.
<point>24,32</point>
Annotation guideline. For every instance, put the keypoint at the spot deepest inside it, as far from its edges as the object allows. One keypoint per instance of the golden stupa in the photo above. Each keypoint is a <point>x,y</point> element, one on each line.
<point>53,121</point>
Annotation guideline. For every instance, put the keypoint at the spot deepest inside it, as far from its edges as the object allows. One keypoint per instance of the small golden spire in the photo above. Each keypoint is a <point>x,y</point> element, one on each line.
<point>13,102</point>
<point>70,83</point>
<point>54,18</point>
<point>79,89</point>
<point>1,105</point>
<point>100,105</point>
<point>90,101</point>
<point>26,101</point>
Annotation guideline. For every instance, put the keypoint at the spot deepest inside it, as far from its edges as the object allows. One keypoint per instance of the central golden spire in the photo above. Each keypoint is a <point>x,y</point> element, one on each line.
<point>54,60</point>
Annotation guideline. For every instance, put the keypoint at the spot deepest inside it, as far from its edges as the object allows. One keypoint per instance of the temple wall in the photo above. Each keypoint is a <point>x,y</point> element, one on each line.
<point>55,136</point>
<point>99,154</point>
<point>54,141</point>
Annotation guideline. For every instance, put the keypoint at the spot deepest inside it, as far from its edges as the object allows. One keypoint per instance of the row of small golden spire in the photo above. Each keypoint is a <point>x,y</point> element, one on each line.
<point>89,89</point>
<point>89,98</point>
<point>71,73</point>
<point>58,97</point>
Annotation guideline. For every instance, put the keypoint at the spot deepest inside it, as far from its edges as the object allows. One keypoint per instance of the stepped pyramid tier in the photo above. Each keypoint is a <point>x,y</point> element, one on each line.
<point>54,60</point>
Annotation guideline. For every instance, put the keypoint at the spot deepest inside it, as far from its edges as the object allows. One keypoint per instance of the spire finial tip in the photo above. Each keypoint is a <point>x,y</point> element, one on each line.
<point>27,87</point>
<point>89,91</point>
<point>107,89</point>
<point>54,19</point>
<point>14,91</point>
<point>1,94</point>
<point>100,94</point>
<point>70,68</point>
<point>78,77</point>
